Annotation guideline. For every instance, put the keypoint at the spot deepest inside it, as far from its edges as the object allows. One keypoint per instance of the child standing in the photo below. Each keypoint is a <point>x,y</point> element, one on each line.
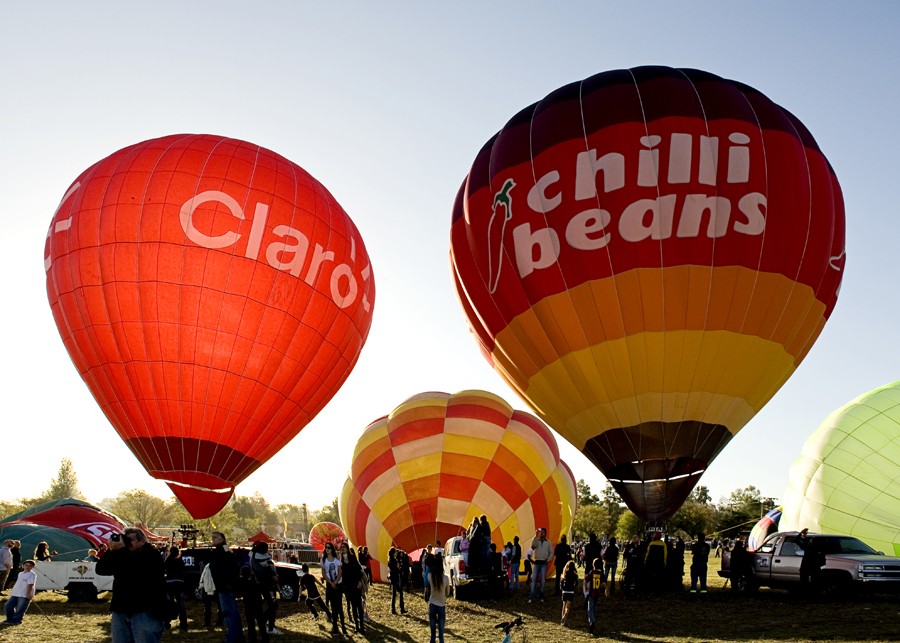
<point>21,594</point>
<point>595,588</point>
<point>567,585</point>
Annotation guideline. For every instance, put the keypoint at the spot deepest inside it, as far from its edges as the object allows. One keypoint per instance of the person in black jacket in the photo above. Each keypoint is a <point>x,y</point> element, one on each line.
<point>138,603</point>
<point>224,569</point>
<point>175,584</point>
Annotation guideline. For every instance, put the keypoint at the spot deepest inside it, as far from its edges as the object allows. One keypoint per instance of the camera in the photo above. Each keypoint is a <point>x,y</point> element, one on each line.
<point>117,537</point>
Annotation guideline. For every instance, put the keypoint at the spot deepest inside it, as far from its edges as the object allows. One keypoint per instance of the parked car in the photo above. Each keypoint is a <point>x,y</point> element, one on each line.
<point>850,565</point>
<point>77,577</point>
<point>196,558</point>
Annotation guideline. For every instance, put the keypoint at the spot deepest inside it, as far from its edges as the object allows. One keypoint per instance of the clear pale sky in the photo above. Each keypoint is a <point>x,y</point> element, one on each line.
<point>387,105</point>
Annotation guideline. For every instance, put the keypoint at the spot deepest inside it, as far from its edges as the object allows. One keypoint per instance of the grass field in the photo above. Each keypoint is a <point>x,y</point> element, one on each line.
<point>720,616</point>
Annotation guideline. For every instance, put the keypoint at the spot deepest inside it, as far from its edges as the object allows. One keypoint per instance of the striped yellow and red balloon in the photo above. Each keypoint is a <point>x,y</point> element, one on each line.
<point>646,256</point>
<point>422,473</point>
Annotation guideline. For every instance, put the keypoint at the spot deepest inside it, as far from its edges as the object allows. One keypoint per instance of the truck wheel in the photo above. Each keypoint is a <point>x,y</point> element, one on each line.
<point>288,592</point>
<point>81,592</point>
<point>834,584</point>
<point>744,584</point>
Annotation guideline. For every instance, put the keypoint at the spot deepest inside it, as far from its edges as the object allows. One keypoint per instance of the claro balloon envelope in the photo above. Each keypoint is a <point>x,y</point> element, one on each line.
<point>645,256</point>
<point>847,478</point>
<point>213,296</point>
<point>422,473</point>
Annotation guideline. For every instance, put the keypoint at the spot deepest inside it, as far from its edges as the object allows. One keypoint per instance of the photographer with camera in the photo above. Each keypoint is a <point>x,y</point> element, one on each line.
<point>139,587</point>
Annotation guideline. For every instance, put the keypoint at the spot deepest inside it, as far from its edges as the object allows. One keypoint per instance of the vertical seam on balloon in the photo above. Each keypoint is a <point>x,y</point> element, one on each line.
<point>640,446</point>
<point>228,469</point>
<point>161,154</point>
<point>601,436</point>
<point>521,388</point>
<point>141,428</point>
<point>597,305</point>
<point>810,338</point>
<point>97,372</point>
<point>193,358</point>
<point>703,335</point>
<point>549,315</point>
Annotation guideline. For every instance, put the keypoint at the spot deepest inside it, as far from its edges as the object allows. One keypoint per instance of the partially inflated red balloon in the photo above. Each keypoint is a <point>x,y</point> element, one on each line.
<point>214,297</point>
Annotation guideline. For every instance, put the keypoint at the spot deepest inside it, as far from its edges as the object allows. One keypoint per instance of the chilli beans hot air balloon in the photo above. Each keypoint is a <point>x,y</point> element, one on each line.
<point>847,479</point>
<point>422,474</point>
<point>213,296</point>
<point>646,256</point>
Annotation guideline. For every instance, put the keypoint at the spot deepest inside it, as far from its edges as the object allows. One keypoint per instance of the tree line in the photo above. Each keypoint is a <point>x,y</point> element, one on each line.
<point>733,514</point>
<point>243,516</point>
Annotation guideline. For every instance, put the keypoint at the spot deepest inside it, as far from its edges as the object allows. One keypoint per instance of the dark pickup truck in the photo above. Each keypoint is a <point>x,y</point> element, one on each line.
<point>196,558</point>
<point>850,565</point>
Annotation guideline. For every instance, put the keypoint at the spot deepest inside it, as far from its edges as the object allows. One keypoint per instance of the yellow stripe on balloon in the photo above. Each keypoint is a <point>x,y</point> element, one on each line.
<point>678,298</point>
<point>731,378</point>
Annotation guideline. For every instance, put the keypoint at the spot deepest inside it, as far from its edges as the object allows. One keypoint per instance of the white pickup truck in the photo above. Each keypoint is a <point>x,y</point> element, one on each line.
<point>77,577</point>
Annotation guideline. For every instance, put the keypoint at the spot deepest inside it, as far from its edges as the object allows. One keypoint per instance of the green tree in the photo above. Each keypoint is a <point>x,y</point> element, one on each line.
<point>65,484</point>
<point>585,497</point>
<point>328,513</point>
<point>701,494</point>
<point>615,507</point>
<point>590,519</point>
<point>629,525</point>
<point>138,506</point>
<point>693,518</point>
<point>741,509</point>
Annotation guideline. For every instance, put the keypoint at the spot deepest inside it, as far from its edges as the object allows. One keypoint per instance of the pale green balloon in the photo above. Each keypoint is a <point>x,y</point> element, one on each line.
<point>847,478</point>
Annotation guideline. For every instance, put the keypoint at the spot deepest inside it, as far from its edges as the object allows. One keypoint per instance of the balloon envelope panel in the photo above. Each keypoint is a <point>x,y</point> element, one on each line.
<point>213,296</point>
<point>847,478</point>
<point>645,256</point>
<point>768,524</point>
<point>422,473</point>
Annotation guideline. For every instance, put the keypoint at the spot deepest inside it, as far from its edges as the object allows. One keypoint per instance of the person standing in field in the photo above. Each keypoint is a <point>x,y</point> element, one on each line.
<point>21,595</point>
<point>568,585</point>
<point>595,588</point>
<point>699,561</point>
<point>439,586</point>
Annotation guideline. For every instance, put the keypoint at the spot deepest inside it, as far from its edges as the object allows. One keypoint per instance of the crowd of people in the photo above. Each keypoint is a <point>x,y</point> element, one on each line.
<point>149,588</point>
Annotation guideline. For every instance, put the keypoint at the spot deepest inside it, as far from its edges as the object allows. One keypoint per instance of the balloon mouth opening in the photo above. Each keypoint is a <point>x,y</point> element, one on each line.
<point>200,501</point>
<point>680,476</point>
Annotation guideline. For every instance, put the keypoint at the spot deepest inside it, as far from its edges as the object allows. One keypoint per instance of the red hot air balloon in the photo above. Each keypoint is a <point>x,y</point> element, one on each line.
<point>214,297</point>
<point>646,256</point>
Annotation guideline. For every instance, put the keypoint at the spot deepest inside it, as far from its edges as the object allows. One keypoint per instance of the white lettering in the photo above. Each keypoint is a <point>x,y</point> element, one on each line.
<point>581,227</point>
<point>273,253</point>
<point>343,299</point>
<point>753,207</point>
<point>648,161</point>
<point>709,159</point>
<point>586,167</point>
<point>187,223</point>
<point>632,224</point>
<point>537,195</point>
<point>695,206</point>
<point>680,152</point>
<point>739,159</point>
<point>320,255</point>
<point>545,241</point>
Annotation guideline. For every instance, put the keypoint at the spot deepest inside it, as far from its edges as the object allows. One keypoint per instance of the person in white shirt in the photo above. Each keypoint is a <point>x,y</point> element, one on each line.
<point>21,595</point>
<point>439,584</point>
<point>6,563</point>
